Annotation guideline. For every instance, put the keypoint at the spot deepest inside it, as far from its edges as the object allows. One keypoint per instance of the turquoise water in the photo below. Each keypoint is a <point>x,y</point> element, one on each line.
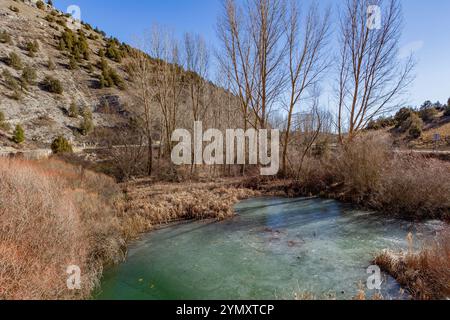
<point>273,248</point>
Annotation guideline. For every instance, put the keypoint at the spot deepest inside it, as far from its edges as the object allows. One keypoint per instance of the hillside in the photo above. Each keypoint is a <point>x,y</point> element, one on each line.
<point>417,128</point>
<point>48,43</point>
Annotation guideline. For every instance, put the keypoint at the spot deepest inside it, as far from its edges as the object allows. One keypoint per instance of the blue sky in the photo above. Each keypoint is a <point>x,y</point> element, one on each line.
<point>427,31</point>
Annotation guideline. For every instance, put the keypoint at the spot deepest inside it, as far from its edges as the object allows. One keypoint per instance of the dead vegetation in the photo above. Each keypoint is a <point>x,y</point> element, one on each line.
<point>148,205</point>
<point>53,215</point>
<point>368,173</point>
<point>425,274</point>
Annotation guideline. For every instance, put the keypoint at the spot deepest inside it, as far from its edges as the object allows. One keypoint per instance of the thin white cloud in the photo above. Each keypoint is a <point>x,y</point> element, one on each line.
<point>410,48</point>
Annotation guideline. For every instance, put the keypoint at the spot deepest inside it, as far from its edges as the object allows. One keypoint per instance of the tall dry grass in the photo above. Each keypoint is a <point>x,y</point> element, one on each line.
<point>53,215</point>
<point>149,205</point>
<point>369,173</point>
<point>426,274</point>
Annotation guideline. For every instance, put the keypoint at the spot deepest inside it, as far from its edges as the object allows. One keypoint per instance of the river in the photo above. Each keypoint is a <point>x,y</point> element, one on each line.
<point>272,249</point>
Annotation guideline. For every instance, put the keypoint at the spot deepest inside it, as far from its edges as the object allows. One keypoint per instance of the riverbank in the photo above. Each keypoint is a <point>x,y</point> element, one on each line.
<point>54,215</point>
<point>147,204</point>
<point>426,273</point>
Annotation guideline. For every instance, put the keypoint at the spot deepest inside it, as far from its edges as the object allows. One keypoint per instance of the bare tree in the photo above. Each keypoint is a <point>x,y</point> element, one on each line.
<point>140,69</point>
<point>266,19</point>
<point>197,64</point>
<point>307,60</point>
<point>371,77</point>
<point>253,52</point>
<point>235,58</point>
<point>168,74</point>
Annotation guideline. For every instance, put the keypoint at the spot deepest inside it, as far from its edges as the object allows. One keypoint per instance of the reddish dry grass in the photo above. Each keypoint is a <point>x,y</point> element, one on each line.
<point>53,215</point>
<point>426,274</point>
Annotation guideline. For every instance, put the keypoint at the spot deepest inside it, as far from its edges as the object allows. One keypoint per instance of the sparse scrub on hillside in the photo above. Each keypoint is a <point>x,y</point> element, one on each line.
<point>53,216</point>
<point>75,44</point>
<point>32,48</point>
<point>73,64</point>
<point>61,145</point>
<point>109,77</point>
<point>3,124</point>
<point>414,126</point>
<point>40,5</point>
<point>428,114</point>
<point>62,22</point>
<point>402,115</point>
<point>5,37</point>
<point>14,61</point>
<point>426,274</point>
<point>53,85</point>
<point>87,123</point>
<point>50,64</point>
<point>381,123</point>
<point>73,110</point>
<point>19,134</point>
<point>112,50</point>
<point>28,77</point>
<point>10,81</point>
<point>50,18</point>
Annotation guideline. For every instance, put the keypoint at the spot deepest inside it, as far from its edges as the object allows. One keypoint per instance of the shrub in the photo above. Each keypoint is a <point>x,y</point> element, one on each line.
<point>76,45</point>
<point>3,124</point>
<point>51,65</point>
<point>10,81</point>
<point>28,77</point>
<point>109,77</point>
<point>402,115</point>
<point>414,126</point>
<point>416,186</point>
<point>14,61</point>
<point>32,48</point>
<point>359,165</point>
<point>73,65</point>
<point>381,123</point>
<point>117,79</point>
<point>53,85</point>
<point>61,145</point>
<point>73,110</point>
<point>428,114</point>
<point>366,172</point>
<point>62,22</point>
<point>40,5</point>
<point>5,37</point>
<point>112,51</point>
<point>50,18</point>
<point>447,109</point>
<point>87,124</point>
<point>18,134</point>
